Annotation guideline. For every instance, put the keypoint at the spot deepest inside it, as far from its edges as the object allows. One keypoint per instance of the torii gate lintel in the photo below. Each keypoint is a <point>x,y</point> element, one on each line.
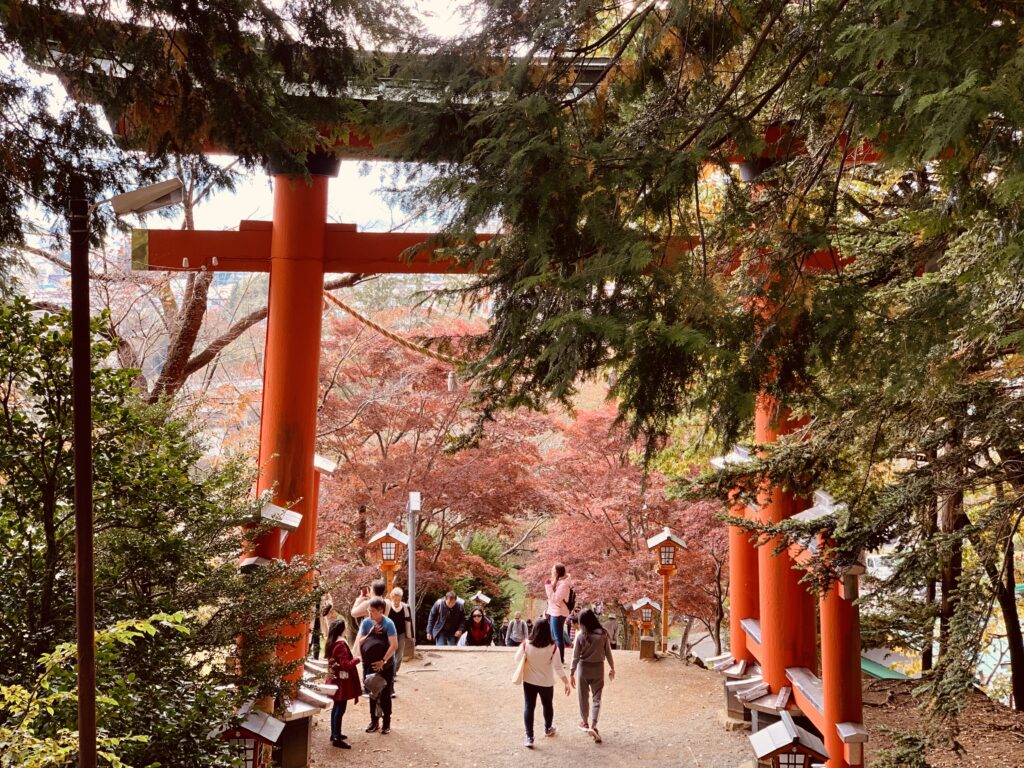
<point>247,249</point>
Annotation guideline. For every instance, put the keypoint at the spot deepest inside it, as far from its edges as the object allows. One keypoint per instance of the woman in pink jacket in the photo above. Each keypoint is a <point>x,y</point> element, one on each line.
<point>558,588</point>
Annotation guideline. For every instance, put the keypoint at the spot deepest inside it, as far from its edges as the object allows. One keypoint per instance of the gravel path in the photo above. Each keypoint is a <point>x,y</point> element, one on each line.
<point>457,708</point>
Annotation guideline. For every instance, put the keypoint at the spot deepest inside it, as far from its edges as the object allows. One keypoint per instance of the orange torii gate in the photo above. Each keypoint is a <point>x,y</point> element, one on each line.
<point>771,668</point>
<point>296,248</point>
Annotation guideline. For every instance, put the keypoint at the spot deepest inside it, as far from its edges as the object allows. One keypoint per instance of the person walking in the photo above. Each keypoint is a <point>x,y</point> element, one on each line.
<point>518,630</point>
<point>589,651</point>
<point>559,591</point>
<point>479,629</point>
<point>342,673</point>
<point>502,632</point>
<point>377,644</point>
<point>542,666</point>
<point>446,619</point>
<point>401,614</point>
<point>571,625</point>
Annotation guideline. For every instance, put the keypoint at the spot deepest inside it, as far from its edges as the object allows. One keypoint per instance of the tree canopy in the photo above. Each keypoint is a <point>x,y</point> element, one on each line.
<point>814,201</point>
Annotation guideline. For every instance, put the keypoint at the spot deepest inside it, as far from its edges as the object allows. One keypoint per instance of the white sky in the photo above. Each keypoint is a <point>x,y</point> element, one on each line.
<point>354,197</point>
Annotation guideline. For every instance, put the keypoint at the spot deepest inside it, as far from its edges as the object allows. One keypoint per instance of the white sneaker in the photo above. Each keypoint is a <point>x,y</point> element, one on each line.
<point>528,743</point>
<point>596,735</point>
<point>551,731</point>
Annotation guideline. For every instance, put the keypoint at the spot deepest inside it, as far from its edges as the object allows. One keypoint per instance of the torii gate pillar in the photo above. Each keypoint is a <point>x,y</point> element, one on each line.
<point>788,636</point>
<point>292,363</point>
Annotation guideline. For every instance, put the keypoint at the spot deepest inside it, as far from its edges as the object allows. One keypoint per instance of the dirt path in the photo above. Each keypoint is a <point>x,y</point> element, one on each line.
<point>457,708</point>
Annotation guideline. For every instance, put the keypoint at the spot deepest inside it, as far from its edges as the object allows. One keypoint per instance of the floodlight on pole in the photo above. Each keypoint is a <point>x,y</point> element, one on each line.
<point>139,201</point>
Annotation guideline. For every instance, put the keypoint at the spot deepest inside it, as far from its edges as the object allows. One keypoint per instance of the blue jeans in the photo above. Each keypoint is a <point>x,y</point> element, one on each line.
<point>445,638</point>
<point>547,696</point>
<point>337,712</point>
<point>558,633</point>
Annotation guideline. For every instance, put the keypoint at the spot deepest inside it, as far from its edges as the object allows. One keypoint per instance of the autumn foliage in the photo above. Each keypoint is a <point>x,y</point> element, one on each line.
<point>549,487</point>
<point>609,509</point>
<point>389,419</point>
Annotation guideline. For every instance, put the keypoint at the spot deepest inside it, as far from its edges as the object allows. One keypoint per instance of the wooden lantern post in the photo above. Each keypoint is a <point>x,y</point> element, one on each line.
<point>666,544</point>
<point>643,616</point>
<point>253,739</point>
<point>388,542</point>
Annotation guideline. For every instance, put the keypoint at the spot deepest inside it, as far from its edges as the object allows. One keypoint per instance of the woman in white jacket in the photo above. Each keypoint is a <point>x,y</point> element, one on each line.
<point>542,666</point>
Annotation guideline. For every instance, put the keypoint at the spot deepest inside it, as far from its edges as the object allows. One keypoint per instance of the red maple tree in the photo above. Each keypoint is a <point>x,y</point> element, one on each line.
<point>388,416</point>
<point>610,507</point>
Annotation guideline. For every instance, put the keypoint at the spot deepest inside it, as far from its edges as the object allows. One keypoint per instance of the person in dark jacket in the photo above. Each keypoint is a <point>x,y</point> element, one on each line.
<point>479,629</point>
<point>447,617</point>
<point>342,673</point>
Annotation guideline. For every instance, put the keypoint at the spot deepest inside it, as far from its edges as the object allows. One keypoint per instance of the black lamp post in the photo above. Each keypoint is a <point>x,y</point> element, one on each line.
<point>140,201</point>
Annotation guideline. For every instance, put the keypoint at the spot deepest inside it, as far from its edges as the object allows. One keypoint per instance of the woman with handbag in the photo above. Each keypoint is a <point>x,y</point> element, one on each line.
<point>537,664</point>
<point>342,673</point>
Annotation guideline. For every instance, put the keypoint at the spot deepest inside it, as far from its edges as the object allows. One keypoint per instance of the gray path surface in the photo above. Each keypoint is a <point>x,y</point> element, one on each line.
<point>458,708</point>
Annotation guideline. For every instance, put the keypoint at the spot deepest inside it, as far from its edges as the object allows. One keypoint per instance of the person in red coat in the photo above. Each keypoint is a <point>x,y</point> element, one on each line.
<point>342,666</point>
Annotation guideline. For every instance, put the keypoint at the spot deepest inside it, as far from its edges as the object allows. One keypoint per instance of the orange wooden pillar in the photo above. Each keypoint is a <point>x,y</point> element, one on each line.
<point>840,673</point>
<point>291,368</point>
<point>787,620</point>
<point>744,602</point>
<point>743,579</point>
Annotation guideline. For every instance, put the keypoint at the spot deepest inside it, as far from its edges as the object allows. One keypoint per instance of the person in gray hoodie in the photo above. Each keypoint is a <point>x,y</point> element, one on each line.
<point>589,651</point>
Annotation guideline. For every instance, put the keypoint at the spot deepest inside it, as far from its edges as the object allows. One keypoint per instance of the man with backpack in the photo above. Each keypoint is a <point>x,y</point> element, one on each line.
<point>377,644</point>
<point>517,631</point>
<point>447,617</point>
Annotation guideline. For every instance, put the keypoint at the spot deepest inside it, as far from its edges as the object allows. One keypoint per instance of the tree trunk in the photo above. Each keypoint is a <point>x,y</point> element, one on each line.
<point>951,520</point>
<point>927,654</point>
<point>183,339</point>
<point>719,609</point>
<point>684,638</point>
<point>1007,598</point>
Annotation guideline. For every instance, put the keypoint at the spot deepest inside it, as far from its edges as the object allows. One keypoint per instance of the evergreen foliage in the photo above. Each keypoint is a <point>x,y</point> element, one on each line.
<point>167,543</point>
<point>605,139</point>
<point>267,84</point>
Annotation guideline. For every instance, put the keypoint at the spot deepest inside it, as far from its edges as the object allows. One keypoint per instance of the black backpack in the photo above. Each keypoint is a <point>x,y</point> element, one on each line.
<point>570,602</point>
<point>375,647</point>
